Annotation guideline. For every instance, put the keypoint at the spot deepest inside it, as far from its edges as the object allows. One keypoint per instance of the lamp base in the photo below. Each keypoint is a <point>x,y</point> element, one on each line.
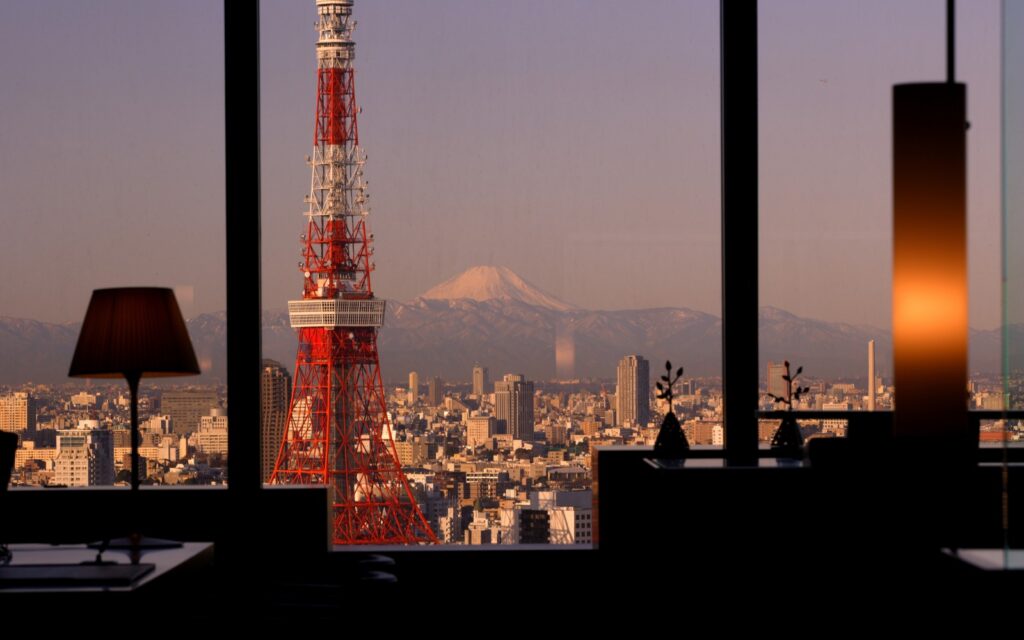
<point>135,542</point>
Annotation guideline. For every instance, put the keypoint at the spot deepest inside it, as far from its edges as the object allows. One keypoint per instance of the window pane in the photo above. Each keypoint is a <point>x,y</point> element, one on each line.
<point>826,75</point>
<point>112,175</point>
<point>1013,206</point>
<point>545,182</point>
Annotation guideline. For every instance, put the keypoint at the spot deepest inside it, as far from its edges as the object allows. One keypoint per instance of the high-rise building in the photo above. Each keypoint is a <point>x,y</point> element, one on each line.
<point>414,387</point>
<point>479,429</point>
<point>85,458</point>
<point>701,432</point>
<point>481,381</point>
<point>212,436</point>
<point>435,392</point>
<point>590,427</point>
<point>557,434</point>
<point>156,425</point>
<point>570,515</point>
<point>412,452</point>
<point>687,387</point>
<point>633,392</point>
<point>513,406</point>
<point>534,526</point>
<point>275,392</point>
<point>776,385</point>
<point>187,407</point>
<point>18,412</point>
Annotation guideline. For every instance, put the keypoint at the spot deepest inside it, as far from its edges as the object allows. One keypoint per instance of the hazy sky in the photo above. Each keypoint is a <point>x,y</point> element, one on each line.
<point>576,142</point>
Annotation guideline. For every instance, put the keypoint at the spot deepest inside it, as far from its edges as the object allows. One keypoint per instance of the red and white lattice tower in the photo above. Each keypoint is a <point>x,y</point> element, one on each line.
<point>338,432</point>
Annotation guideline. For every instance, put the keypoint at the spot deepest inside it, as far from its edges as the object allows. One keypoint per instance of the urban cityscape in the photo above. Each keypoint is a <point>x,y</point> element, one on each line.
<point>492,459</point>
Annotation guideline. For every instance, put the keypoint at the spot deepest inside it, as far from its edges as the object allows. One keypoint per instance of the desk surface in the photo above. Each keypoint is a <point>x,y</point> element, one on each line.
<point>164,560</point>
<point>666,464</point>
<point>991,559</point>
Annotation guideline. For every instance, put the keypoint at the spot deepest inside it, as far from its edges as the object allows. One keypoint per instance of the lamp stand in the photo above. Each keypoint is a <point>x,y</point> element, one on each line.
<point>135,542</point>
<point>133,378</point>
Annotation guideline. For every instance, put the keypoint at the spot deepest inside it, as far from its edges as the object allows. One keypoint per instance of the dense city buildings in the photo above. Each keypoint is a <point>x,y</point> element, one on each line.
<point>81,437</point>
<point>510,466</point>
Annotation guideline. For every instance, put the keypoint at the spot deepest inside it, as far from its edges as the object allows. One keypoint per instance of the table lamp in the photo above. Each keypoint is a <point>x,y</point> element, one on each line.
<point>133,332</point>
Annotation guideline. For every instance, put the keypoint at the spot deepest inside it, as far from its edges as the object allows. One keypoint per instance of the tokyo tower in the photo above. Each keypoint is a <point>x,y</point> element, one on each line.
<point>338,431</point>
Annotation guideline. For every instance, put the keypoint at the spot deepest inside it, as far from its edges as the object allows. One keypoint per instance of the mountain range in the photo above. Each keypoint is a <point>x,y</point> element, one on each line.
<point>491,316</point>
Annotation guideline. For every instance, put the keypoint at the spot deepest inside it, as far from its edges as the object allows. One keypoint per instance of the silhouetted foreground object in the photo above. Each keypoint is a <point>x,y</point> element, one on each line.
<point>8,446</point>
<point>134,332</point>
<point>671,442</point>
<point>788,442</point>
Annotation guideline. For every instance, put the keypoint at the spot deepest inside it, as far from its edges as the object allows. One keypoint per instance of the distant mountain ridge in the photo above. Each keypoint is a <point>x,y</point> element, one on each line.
<point>490,316</point>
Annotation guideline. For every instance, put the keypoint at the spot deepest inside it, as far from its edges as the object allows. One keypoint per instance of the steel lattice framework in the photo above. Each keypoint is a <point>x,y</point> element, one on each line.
<point>338,431</point>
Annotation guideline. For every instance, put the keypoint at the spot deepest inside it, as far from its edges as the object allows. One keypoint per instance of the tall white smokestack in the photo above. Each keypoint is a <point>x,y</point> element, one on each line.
<point>871,375</point>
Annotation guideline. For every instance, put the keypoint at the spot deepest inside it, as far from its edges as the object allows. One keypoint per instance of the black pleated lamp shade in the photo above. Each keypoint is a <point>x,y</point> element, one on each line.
<point>133,330</point>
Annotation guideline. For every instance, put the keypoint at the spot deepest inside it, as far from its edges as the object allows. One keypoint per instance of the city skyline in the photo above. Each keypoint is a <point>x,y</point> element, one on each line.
<point>825,233</point>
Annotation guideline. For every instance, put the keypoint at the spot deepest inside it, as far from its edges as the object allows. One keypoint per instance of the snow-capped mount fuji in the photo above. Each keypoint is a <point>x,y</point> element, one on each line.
<point>483,283</point>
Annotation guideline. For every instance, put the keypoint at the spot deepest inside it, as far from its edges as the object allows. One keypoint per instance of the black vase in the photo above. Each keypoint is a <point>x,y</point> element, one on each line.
<point>671,442</point>
<point>788,442</point>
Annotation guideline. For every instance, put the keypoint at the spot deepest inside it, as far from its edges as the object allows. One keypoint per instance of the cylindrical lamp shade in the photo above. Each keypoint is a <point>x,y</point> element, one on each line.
<point>135,330</point>
<point>930,263</point>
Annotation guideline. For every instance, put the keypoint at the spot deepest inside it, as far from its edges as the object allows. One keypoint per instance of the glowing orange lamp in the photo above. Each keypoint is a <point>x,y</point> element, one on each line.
<point>930,266</point>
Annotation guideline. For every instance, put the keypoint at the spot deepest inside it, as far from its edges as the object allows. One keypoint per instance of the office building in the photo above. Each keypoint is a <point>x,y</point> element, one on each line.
<point>590,427</point>
<point>513,406</point>
<point>481,381</point>
<point>534,526</point>
<point>187,407</point>
<point>412,452</point>
<point>570,525</point>
<point>212,436</point>
<point>85,457</point>
<point>414,387</point>
<point>557,434</point>
<point>633,391</point>
<point>435,392</point>
<point>18,412</point>
<point>157,425</point>
<point>84,399</point>
<point>480,531</point>
<point>479,429</point>
<point>776,385</point>
<point>275,392</point>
